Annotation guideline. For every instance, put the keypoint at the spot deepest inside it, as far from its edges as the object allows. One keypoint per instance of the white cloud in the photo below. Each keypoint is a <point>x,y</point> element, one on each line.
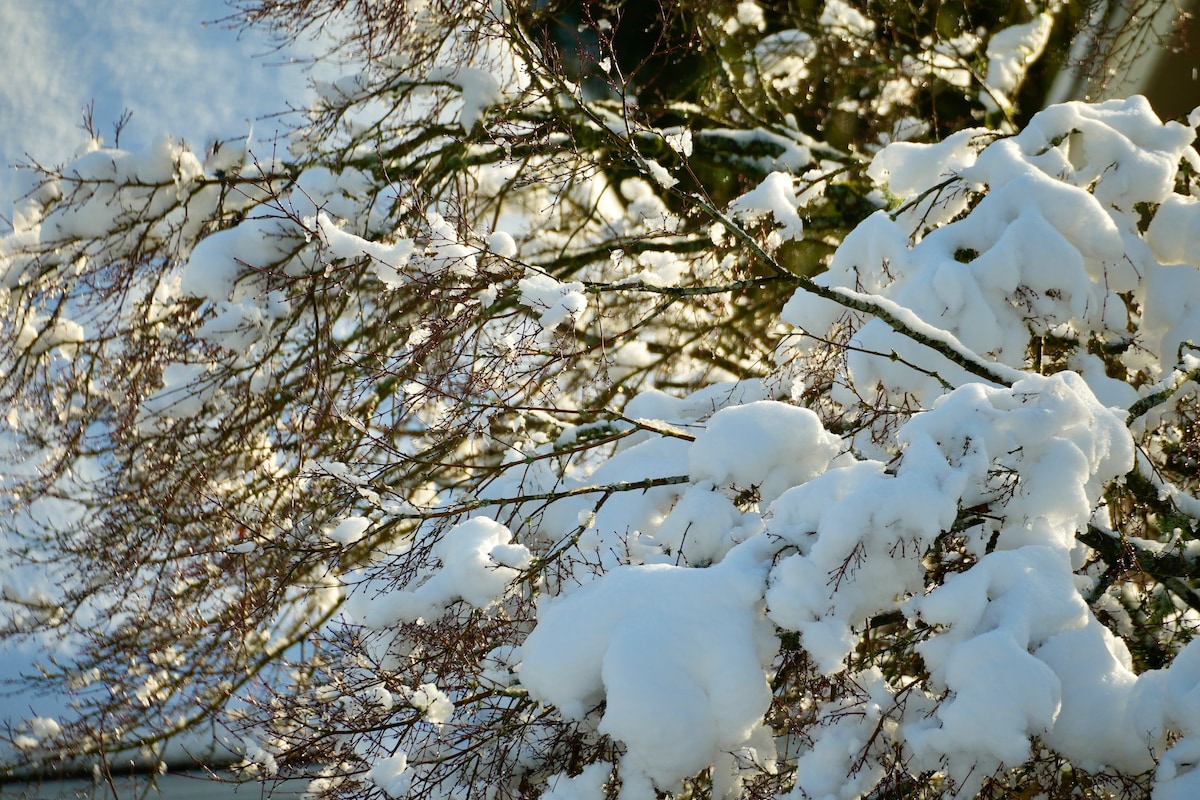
<point>32,96</point>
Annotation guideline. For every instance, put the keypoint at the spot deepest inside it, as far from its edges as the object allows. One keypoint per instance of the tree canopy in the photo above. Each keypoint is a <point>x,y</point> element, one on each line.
<point>590,399</point>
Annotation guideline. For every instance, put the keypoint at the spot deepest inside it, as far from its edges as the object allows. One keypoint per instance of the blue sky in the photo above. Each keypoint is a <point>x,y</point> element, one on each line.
<point>156,58</point>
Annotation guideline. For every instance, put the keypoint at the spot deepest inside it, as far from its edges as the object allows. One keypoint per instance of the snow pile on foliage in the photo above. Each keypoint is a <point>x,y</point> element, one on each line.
<point>1060,193</point>
<point>848,542</point>
<point>776,197</point>
<point>1052,249</point>
<point>677,657</point>
<point>1009,53</point>
<point>477,561</point>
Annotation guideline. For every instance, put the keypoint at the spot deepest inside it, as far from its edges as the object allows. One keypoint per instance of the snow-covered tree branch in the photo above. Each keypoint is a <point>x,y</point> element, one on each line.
<point>589,400</point>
